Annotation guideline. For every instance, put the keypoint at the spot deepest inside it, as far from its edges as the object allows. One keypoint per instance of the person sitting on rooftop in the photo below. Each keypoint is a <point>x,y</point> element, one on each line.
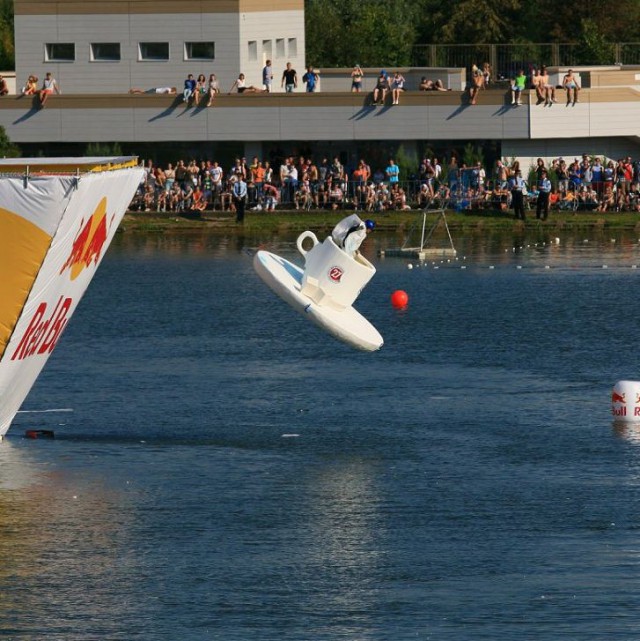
<point>431,85</point>
<point>477,83</point>
<point>153,90</point>
<point>570,83</point>
<point>548,90</point>
<point>240,85</point>
<point>189,89</point>
<point>381,89</point>
<point>517,87</point>
<point>31,86</point>
<point>4,88</point>
<point>49,85</point>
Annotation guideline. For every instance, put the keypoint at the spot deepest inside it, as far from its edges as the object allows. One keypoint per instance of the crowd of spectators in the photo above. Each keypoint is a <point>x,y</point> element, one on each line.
<point>587,183</point>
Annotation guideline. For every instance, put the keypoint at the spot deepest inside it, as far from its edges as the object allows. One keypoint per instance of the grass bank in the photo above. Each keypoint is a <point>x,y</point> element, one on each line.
<point>291,222</point>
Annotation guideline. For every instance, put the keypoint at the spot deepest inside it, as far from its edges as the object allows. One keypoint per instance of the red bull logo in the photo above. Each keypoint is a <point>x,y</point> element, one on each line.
<point>88,244</point>
<point>617,398</point>
<point>44,329</point>
<point>335,274</point>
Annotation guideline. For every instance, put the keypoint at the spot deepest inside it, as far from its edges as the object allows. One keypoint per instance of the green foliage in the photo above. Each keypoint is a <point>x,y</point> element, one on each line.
<point>7,53</point>
<point>103,149</point>
<point>7,148</point>
<point>472,154</point>
<point>593,48</point>
<point>341,33</point>
<point>407,161</point>
<point>479,21</point>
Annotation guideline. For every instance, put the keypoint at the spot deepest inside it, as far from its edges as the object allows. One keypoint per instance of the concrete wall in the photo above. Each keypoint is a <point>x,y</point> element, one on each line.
<point>132,22</point>
<point>604,122</point>
<point>339,79</point>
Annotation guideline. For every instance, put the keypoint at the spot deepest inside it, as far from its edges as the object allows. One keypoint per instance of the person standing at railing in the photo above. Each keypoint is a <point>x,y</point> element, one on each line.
<point>356,79</point>
<point>289,79</point>
<point>392,171</point>
<point>267,76</point>
<point>311,79</point>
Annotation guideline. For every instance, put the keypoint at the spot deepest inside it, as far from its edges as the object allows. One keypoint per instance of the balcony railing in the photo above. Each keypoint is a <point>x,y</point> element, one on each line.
<point>505,59</point>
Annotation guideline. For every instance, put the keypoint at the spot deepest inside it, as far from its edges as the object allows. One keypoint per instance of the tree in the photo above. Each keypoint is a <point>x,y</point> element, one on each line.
<point>474,21</point>
<point>7,52</point>
<point>7,148</point>
<point>341,33</point>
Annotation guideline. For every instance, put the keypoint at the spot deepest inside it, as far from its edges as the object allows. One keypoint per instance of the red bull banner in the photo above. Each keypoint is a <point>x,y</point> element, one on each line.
<point>54,232</point>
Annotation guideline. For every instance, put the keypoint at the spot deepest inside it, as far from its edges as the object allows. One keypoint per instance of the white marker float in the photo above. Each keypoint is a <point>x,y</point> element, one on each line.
<point>324,292</point>
<point>625,402</point>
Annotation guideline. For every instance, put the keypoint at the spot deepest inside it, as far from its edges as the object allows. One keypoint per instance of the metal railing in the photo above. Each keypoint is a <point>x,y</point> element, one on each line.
<point>505,59</point>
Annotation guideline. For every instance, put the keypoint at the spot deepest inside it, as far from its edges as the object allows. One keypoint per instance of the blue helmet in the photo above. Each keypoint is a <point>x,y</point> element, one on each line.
<point>369,224</point>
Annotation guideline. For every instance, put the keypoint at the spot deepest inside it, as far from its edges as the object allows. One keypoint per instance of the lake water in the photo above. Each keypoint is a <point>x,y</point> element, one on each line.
<point>230,472</point>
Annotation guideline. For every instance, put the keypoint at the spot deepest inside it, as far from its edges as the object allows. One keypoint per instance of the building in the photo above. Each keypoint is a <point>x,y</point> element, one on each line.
<point>98,51</point>
<point>113,45</point>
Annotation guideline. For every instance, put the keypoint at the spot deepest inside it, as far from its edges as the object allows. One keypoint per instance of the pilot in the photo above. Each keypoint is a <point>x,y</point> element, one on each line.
<point>349,233</point>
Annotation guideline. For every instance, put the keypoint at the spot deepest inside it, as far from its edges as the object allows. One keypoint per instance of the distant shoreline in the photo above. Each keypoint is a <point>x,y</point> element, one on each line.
<point>289,222</point>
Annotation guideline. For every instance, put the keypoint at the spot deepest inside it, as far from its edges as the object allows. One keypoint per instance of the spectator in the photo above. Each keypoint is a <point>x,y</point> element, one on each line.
<point>397,86</point>
<point>570,83</point>
<point>241,86</point>
<point>289,79</point>
<point>201,90</point>
<point>536,85</point>
<point>393,171</point>
<point>486,73</point>
<point>4,88</point>
<point>544,190</point>
<point>49,85</point>
<point>311,79</point>
<point>189,89</point>
<point>356,79</point>
<point>517,87</point>
<point>213,89</point>
<point>267,76</point>
<point>239,198</point>
<point>477,82</point>
<point>31,86</point>
<point>431,85</point>
<point>381,89</point>
<point>549,91</point>
<point>270,196</point>
<point>154,90</point>
<point>517,187</point>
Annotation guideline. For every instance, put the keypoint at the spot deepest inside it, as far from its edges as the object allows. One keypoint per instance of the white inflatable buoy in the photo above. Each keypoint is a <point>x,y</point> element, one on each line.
<point>625,401</point>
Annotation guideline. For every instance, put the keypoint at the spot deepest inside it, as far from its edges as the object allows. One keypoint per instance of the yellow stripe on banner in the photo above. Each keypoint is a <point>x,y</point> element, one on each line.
<point>23,247</point>
<point>64,168</point>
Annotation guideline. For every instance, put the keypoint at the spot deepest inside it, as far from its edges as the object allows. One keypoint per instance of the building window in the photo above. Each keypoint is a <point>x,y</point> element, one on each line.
<point>293,47</point>
<point>153,51</point>
<point>105,51</point>
<point>253,50</point>
<point>199,51</point>
<point>60,52</point>
<point>280,48</point>
<point>267,49</point>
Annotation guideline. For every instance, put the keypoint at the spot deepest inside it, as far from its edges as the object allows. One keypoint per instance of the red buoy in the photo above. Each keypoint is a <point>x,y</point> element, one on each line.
<point>399,299</point>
